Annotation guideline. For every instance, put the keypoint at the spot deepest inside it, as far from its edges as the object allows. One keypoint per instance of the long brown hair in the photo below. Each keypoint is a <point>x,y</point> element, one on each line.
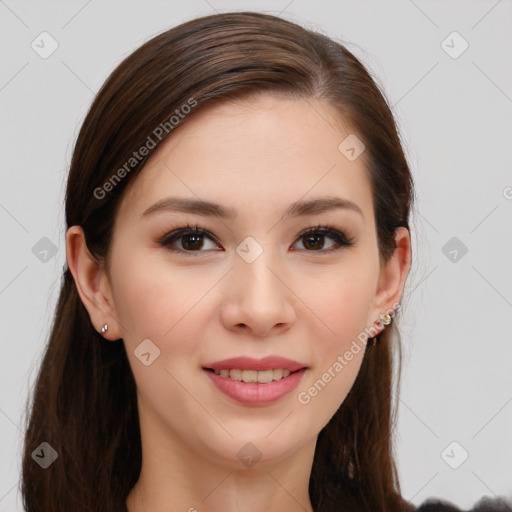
<point>84,399</point>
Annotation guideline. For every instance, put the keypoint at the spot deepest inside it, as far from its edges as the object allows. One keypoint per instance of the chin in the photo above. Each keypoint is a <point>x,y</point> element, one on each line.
<point>255,448</point>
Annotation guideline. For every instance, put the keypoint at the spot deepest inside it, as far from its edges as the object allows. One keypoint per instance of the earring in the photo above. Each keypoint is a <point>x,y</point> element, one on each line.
<point>104,328</point>
<point>386,319</point>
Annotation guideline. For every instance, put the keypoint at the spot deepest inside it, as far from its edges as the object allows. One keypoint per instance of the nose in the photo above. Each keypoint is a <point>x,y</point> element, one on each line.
<point>258,299</point>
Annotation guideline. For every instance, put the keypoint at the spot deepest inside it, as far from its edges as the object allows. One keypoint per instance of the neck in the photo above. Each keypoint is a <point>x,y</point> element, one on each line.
<point>175,476</point>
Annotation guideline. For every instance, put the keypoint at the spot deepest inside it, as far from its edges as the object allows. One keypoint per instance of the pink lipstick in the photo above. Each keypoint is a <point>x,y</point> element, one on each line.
<point>255,381</point>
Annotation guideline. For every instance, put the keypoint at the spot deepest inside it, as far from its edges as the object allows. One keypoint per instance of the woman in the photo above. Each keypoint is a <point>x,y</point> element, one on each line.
<point>237,244</point>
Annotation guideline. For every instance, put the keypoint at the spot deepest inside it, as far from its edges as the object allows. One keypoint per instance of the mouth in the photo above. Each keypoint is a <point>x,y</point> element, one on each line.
<point>255,382</point>
<point>259,376</point>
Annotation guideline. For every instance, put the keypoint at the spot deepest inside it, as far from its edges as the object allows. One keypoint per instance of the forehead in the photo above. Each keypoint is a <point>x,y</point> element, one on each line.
<point>255,155</point>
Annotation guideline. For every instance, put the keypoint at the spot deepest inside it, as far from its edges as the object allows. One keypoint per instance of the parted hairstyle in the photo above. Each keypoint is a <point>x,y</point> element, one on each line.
<point>83,402</point>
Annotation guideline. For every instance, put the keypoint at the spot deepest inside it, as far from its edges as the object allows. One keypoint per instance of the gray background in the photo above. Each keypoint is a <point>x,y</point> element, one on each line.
<point>455,118</point>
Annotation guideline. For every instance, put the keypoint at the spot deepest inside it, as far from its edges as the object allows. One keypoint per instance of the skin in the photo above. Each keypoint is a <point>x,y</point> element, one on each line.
<point>257,156</point>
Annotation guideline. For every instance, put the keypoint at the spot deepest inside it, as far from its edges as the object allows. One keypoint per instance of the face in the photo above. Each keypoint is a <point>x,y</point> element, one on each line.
<point>261,283</point>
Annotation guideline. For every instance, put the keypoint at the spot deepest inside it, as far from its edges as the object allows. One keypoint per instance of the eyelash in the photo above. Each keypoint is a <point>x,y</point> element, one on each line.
<point>340,238</point>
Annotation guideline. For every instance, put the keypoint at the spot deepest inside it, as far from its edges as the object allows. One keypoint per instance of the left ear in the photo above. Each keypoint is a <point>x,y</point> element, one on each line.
<point>392,276</point>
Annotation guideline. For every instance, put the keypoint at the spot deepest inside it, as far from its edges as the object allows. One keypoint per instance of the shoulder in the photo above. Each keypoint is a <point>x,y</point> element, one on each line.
<point>485,504</point>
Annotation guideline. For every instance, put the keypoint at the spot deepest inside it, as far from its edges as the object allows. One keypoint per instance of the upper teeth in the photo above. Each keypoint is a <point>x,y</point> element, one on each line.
<point>262,376</point>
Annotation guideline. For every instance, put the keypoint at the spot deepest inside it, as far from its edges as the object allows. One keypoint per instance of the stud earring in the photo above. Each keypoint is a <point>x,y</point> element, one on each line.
<point>104,328</point>
<point>385,319</point>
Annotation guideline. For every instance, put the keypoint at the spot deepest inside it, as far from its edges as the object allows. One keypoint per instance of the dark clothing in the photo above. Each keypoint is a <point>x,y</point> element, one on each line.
<point>486,504</point>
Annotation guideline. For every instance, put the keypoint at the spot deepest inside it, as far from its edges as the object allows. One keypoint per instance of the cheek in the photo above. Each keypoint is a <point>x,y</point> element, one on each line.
<point>162,304</point>
<point>152,298</point>
<point>337,365</point>
<point>342,299</point>
<point>342,302</point>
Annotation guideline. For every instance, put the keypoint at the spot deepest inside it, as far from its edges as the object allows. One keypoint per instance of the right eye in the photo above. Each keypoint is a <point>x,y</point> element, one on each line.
<point>192,240</point>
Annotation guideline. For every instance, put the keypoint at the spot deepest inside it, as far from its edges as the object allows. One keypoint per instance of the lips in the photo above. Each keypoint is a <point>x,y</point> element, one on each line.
<point>255,381</point>
<point>249,363</point>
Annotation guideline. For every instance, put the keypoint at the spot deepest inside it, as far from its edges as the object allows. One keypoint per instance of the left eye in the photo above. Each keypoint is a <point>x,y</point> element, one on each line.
<point>313,239</point>
<point>316,236</point>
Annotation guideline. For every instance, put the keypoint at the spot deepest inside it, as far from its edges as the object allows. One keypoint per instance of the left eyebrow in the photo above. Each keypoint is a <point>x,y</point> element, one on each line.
<point>321,205</point>
<point>208,208</point>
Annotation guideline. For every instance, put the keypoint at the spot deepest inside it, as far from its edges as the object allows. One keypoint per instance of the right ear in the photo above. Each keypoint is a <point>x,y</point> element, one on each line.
<point>92,283</point>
